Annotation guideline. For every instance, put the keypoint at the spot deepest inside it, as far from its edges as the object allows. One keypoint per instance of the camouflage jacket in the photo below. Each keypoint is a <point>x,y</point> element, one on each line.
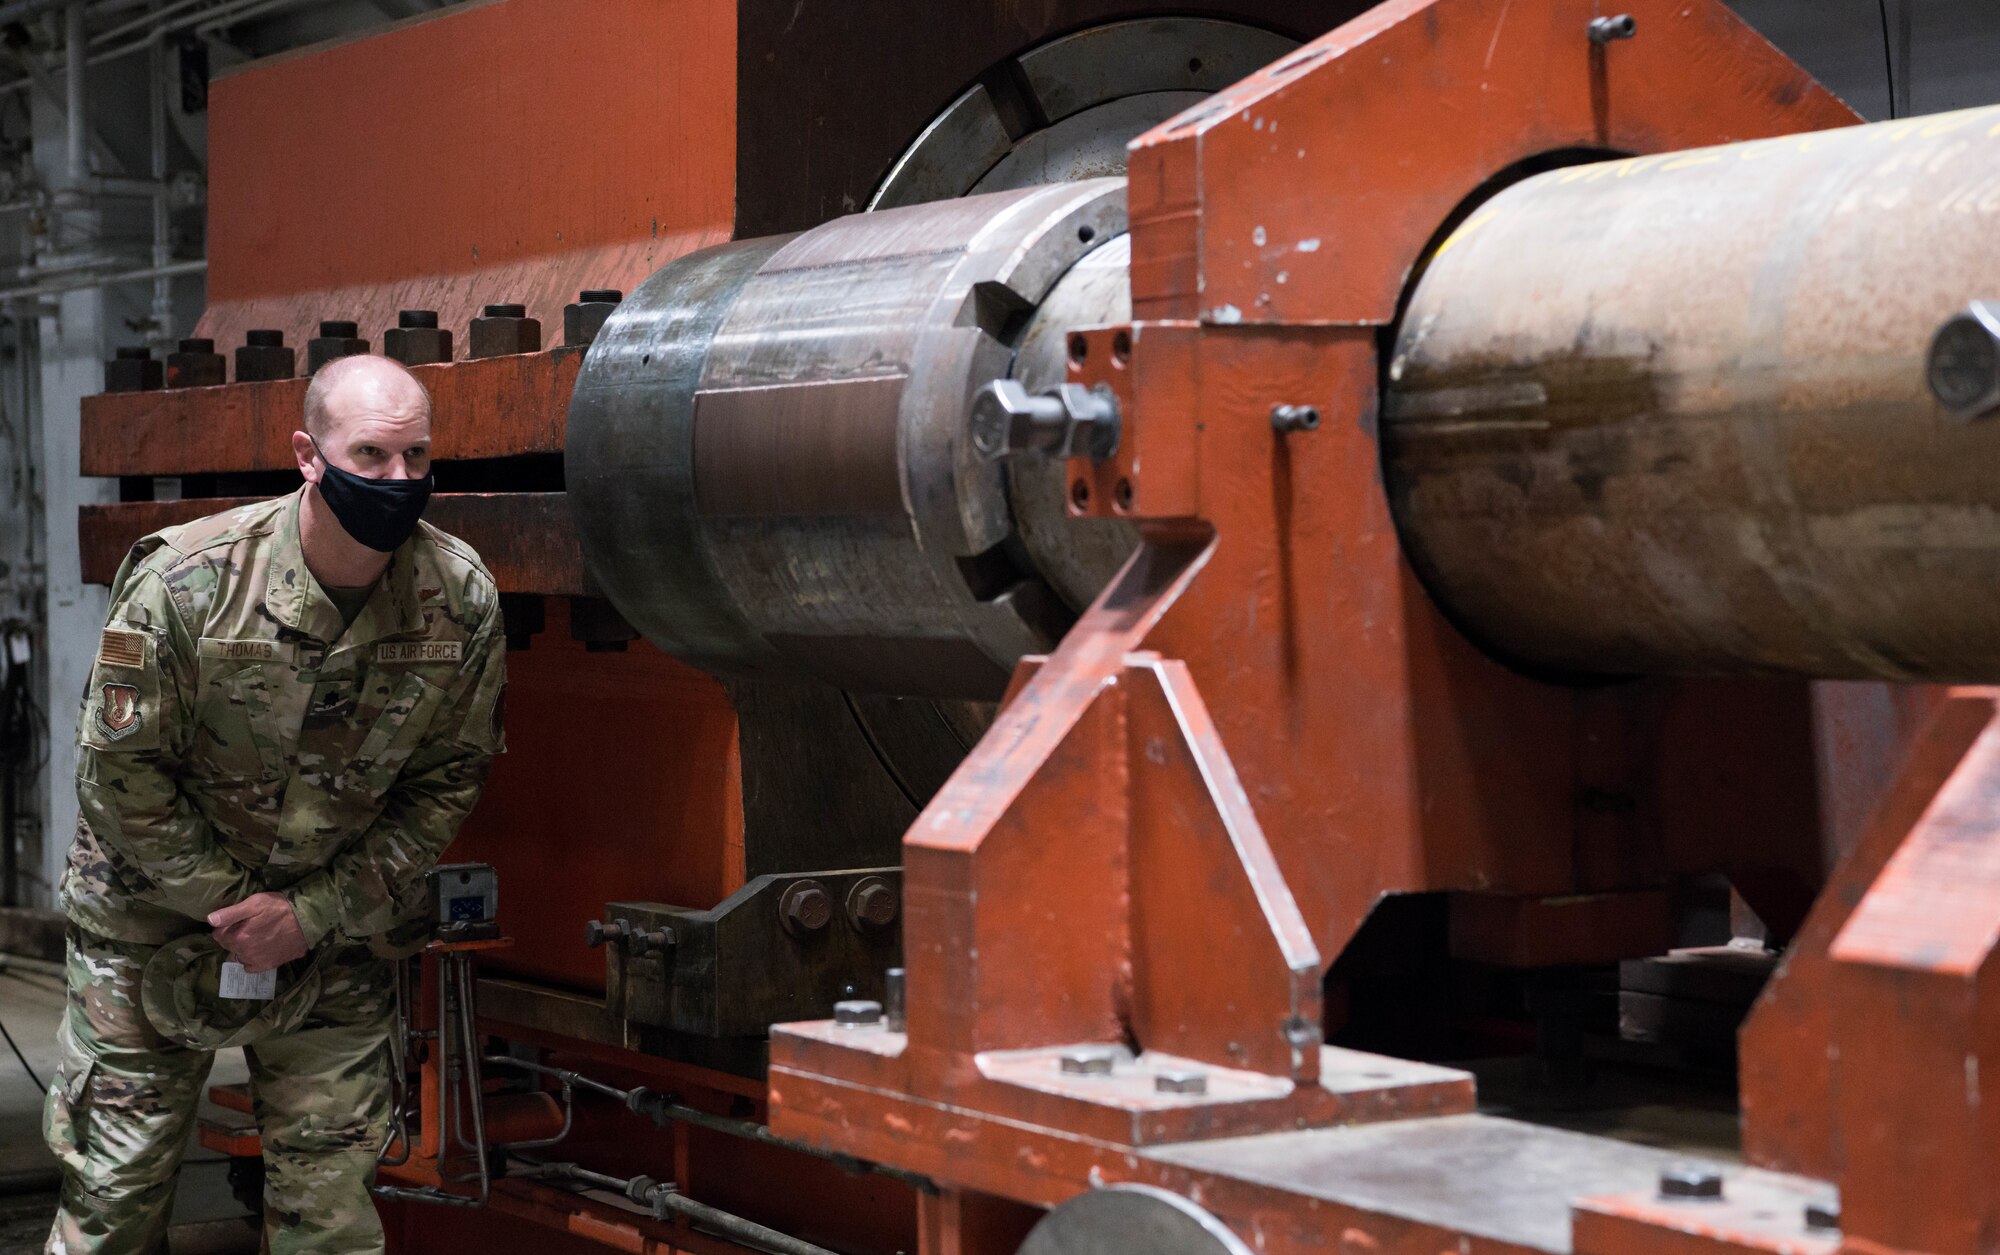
<point>235,738</point>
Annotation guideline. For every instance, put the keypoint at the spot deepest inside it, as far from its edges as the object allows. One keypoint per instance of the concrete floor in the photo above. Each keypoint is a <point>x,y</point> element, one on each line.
<point>207,1216</point>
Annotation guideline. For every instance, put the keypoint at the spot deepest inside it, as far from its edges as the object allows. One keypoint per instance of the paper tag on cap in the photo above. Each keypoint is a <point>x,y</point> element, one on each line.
<point>252,986</point>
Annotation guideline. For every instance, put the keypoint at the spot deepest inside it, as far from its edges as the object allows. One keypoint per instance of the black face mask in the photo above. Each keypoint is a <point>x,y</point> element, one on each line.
<point>380,513</point>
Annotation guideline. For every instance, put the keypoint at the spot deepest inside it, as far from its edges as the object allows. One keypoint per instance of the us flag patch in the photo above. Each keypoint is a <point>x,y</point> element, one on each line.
<point>119,647</point>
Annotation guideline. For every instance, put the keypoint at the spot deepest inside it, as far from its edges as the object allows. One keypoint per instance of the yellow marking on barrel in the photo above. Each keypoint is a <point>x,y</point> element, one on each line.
<point>1693,159</point>
<point>1471,224</point>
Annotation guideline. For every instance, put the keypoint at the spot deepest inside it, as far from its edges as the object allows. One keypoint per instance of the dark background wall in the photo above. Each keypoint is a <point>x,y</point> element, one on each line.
<point>828,91</point>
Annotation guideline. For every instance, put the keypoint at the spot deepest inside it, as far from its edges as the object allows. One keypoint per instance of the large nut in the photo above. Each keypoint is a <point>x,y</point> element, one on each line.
<point>584,317</point>
<point>505,329</point>
<point>1963,369</point>
<point>264,355</point>
<point>416,339</point>
<point>133,369</point>
<point>196,364</point>
<point>805,907</point>
<point>337,338</point>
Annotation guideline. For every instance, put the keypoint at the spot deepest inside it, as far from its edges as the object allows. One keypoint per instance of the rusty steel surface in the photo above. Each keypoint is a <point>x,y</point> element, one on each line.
<point>525,538</point>
<point>333,194</point>
<point>1477,87</point>
<point>767,448</point>
<point>1669,414</point>
<point>491,408</point>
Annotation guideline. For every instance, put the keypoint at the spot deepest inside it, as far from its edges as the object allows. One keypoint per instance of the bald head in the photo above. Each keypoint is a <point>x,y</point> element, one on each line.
<point>361,384</point>
<point>369,415</point>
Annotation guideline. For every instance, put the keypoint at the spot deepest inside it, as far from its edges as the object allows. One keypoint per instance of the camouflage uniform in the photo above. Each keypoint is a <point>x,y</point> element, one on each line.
<point>236,739</point>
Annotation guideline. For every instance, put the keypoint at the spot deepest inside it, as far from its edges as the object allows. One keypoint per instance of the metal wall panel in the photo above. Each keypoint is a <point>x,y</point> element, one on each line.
<point>1890,58</point>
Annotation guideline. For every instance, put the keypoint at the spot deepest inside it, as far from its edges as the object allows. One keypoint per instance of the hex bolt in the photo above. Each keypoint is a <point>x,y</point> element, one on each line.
<point>1181,1081</point>
<point>639,944</point>
<point>1066,421</point>
<point>805,907</point>
<point>597,932</point>
<point>1603,30</point>
<point>871,905</point>
<point>337,338</point>
<point>416,339</point>
<point>133,369</point>
<point>264,355</point>
<point>1286,418</point>
<point>1089,1061</point>
<point>892,1000</point>
<point>1963,367</point>
<point>857,1013</point>
<point>505,329</point>
<point>585,317</point>
<point>1690,1183</point>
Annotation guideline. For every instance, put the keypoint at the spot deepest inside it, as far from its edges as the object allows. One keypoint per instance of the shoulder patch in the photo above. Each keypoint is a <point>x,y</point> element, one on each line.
<point>121,647</point>
<point>420,651</point>
<point>120,714</point>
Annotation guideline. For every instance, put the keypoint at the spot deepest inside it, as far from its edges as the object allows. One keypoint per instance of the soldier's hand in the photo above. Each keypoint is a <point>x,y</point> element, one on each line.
<point>260,932</point>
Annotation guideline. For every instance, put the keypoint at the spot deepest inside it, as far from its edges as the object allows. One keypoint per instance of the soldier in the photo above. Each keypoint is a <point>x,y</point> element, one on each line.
<point>294,706</point>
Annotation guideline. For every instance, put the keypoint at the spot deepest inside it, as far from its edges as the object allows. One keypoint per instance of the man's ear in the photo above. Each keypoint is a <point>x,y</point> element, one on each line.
<point>306,456</point>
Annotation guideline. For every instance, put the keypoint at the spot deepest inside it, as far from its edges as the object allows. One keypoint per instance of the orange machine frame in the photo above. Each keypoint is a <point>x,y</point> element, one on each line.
<point>1264,726</point>
<point>1260,730</point>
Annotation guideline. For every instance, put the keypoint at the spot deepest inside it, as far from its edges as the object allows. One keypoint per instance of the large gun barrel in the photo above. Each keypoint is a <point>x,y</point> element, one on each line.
<point>1670,414</point>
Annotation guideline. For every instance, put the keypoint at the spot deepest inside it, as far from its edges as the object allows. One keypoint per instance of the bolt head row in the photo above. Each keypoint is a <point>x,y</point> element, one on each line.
<point>1102,1060</point>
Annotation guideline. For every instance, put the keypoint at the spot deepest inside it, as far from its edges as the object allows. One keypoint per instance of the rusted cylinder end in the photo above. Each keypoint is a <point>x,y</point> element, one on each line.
<point>1671,415</point>
<point>769,453</point>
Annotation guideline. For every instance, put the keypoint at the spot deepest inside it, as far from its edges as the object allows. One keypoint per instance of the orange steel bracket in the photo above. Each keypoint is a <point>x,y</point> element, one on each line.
<point>1788,1076</point>
<point>1304,193</point>
<point>1914,988</point>
<point>1035,941</point>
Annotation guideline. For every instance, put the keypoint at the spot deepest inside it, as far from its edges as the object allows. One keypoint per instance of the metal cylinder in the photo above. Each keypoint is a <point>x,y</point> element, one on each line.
<point>1670,414</point>
<point>768,453</point>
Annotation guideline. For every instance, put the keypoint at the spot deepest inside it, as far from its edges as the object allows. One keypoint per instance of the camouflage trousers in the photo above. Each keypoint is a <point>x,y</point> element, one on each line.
<point>123,1099</point>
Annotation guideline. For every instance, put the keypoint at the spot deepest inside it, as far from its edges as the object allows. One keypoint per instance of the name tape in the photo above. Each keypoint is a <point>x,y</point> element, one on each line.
<point>420,651</point>
<point>213,647</point>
